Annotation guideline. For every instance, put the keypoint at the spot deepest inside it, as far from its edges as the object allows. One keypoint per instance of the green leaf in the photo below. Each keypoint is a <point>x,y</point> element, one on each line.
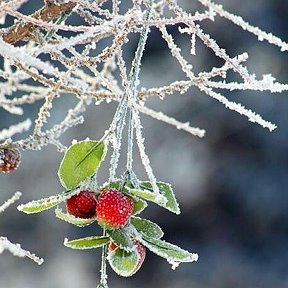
<point>171,252</point>
<point>148,195</point>
<point>87,243</point>
<point>122,262</point>
<point>147,228</point>
<point>37,206</point>
<point>80,222</point>
<point>80,162</point>
<point>115,184</point>
<point>166,191</point>
<point>121,238</point>
<point>139,205</point>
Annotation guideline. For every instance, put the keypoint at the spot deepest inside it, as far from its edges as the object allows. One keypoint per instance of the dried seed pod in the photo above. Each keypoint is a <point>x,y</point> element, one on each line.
<point>9,159</point>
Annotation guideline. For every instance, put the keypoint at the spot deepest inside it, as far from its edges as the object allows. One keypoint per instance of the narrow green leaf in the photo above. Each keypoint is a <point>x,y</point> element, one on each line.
<point>122,262</point>
<point>147,228</point>
<point>80,222</point>
<point>171,252</point>
<point>80,162</point>
<point>87,243</point>
<point>37,206</point>
<point>166,191</point>
<point>121,238</point>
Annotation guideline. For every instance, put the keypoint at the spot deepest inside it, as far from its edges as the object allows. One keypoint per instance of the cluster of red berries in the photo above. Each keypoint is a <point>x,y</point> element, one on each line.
<point>112,210</point>
<point>9,159</point>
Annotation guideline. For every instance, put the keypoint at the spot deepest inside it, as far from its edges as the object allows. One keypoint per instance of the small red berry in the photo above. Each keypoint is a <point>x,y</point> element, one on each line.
<point>9,159</point>
<point>142,253</point>
<point>82,205</point>
<point>113,209</point>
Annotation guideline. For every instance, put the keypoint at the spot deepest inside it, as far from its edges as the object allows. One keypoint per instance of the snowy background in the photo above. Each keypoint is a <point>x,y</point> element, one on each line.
<point>231,185</point>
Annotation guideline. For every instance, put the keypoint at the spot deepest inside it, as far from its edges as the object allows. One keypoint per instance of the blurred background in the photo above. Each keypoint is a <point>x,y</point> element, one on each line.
<point>231,185</point>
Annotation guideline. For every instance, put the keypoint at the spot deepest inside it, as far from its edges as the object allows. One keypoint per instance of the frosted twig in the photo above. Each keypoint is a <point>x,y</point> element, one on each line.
<point>169,120</point>
<point>19,31</point>
<point>14,129</point>
<point>44,111</point>
<point>16,250</point>
<point>252,116</point>
<point>209,42</point>
<point>118,141</point>
<point>10,201</point>
<point>49,136</point>
<point>239,21</point>
<point>44,24</point>
<point>267,84</point>
<point>15,53</point>
<point>144,158</point>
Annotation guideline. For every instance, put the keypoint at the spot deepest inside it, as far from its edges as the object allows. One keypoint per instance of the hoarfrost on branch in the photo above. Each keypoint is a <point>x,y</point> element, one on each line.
<point>98,74</point>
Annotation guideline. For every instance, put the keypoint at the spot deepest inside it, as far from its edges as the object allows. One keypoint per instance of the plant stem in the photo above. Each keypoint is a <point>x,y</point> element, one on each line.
<point>130,141</point>
<point>103,279</point>
<point>134,81</point>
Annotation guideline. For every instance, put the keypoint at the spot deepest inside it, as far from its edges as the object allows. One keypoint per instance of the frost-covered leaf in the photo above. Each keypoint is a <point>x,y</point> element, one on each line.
<point>148,195</point>
<point>80,222</point>
<point>166,191</point>
<point>37,206</point>
<point>171,252</point>
<point>122,262</point>
<point>87,243</point>
<point>139,205</point>
<point>121,238</point>
<point>115,184</point>
<point>147,228</point>
<point>80,162</point>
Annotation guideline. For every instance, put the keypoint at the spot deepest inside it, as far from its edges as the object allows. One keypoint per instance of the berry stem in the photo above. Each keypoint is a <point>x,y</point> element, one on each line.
<point>134,81</point>
<point>116,152</point>
<point>103,271</point>
<point>130,141</point>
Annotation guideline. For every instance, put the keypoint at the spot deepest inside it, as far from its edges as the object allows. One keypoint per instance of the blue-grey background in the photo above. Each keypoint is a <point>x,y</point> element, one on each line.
<point>231,185</point>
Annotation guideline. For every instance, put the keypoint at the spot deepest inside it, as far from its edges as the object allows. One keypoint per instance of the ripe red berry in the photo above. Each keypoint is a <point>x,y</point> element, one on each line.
<point>9,159</point>
<point>113,209</point>
<point>82,205</point>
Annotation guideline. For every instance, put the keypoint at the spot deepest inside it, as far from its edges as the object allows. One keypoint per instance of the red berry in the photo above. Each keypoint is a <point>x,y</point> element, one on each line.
<point>9,159</point>
<point>113,209</point>
<point>142,253</point>
<point>82,205</point>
